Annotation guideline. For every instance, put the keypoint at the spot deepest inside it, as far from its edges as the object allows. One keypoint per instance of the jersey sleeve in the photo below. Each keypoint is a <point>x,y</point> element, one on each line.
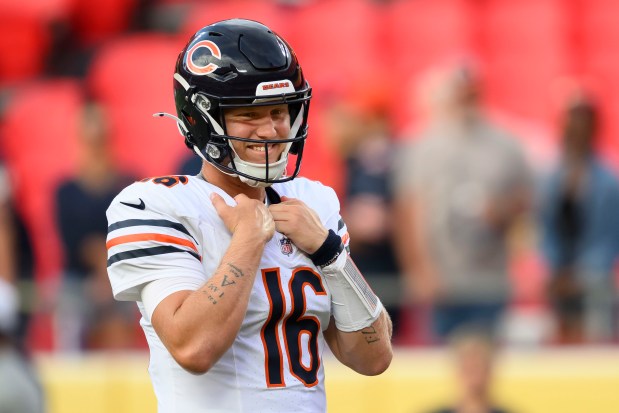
<point>331,212</point>
<point>147,241</point>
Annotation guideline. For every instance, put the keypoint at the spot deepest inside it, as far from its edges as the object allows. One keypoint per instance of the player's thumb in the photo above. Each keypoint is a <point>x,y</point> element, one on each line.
<point>220,205</point>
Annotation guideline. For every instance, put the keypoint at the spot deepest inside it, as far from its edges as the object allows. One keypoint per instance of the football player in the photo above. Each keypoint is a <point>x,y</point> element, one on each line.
<point>241,273</point>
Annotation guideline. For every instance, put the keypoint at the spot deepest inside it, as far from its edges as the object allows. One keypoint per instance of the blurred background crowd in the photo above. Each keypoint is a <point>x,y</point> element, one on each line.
<point>474,145</point>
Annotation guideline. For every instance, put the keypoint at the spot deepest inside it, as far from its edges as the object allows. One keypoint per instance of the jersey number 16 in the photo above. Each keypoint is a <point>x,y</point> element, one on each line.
<point>294,325</point>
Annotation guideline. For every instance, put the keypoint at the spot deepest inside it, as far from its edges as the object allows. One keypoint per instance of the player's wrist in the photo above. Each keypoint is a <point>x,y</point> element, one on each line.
<point>317,242</point>
<point>328,251</point>
<point>251,234</point>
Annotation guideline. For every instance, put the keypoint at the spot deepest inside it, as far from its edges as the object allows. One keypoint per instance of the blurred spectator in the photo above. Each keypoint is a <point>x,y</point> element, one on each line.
<point>88,316</point>
<point>474,355</point>
<point>459,190</point>
<point>20,391</point>
<point>190,165</point>
<point>17,259</point>
<point>580,231</point>
<point>360,130</point>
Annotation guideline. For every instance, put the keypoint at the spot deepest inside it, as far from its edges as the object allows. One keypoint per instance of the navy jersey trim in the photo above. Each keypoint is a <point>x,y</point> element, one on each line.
<point>147,252</point>
<point>340,224</point>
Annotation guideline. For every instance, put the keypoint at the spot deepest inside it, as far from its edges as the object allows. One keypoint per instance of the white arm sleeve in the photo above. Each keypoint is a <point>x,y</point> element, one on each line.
<point>354,304</point>
<point>156,291</point>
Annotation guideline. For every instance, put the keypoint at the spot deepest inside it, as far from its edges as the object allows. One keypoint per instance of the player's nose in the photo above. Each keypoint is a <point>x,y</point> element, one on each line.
<point>267,128</point>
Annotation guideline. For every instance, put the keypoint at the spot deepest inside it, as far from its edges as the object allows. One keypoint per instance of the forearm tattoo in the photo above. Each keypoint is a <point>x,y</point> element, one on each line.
<point>226,282</point>
<point>213,292</point>
<point>370,335</point>
<point>235,270</point>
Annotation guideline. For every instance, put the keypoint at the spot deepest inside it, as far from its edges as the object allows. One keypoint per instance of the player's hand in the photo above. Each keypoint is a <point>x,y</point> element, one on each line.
<point>250,216</point>
<point>300,223</point>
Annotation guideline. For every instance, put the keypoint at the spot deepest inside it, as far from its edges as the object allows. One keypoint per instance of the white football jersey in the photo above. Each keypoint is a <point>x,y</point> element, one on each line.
<point>167,227</point>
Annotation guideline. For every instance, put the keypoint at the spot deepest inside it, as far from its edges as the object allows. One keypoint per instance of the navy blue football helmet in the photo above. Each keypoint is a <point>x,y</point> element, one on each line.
<point>239,63</point>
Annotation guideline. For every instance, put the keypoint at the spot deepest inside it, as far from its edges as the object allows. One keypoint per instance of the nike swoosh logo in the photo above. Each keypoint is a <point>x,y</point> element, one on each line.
<point>141,205</point>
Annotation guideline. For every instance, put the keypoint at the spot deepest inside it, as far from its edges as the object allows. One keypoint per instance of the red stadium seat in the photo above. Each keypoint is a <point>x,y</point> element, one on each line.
<point>25,36</point>
<point>525,48</point>
<point>597,21</point>
<point>23,43</point>
<point>420,34</point>
<point>94,22</point>
<point>132,77</point>
<point>529,27</point>
<point>426,32</point>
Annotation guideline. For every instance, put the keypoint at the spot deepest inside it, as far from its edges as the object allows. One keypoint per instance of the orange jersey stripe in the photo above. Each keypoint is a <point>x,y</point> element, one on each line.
<point>150,237</point>
<point>345,238</point>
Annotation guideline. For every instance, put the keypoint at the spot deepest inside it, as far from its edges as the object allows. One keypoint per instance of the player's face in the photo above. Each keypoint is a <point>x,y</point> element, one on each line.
<point>258,122</point>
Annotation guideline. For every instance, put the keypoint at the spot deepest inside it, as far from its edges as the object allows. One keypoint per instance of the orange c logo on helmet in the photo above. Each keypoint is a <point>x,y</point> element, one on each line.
<point>193,61</point>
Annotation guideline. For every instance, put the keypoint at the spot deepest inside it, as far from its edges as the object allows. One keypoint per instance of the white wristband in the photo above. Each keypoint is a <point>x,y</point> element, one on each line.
<point>354,304</point>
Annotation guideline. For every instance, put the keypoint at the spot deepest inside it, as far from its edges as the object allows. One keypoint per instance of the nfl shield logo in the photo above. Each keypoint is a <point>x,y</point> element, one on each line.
<point>286,246</point>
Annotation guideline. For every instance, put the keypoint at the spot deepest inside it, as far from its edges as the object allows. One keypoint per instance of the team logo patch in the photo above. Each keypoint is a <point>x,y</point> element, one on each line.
<point>285,245</point>
<point>199,57</point>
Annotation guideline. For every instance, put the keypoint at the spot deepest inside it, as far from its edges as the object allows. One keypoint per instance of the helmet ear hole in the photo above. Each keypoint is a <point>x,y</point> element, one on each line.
<point>217,150</point>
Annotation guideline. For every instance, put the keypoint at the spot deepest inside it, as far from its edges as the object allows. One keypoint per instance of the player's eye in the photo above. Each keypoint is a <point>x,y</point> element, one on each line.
<point>278,112</point>
<point>247,115</point>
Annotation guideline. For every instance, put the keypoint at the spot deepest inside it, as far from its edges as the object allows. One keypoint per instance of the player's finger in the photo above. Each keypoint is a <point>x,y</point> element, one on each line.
<point>290,206</point>
<point>290,200</point>
<point>220,205</point>
<point>240,198</point>
<point>280,214</point>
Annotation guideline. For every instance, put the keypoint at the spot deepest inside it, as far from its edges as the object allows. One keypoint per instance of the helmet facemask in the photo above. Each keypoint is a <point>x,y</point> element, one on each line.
<point>272,170</point>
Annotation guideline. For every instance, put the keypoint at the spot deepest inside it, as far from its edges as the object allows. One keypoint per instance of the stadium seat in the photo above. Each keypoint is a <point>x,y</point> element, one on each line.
<point>132,78</point>
<point>25,37</point>
<point>425,32</point>
<point>420,34</point>
<point>95,22</point>
<point>529,27</point>
<point>525,48</point>
<point>597,21</point>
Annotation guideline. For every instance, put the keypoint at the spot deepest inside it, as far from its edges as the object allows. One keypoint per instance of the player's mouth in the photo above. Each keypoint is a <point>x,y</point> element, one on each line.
<point>261,150</point>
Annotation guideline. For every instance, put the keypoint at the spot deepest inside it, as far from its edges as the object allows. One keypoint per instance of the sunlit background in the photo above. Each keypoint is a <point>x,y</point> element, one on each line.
<point>80,80</point>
